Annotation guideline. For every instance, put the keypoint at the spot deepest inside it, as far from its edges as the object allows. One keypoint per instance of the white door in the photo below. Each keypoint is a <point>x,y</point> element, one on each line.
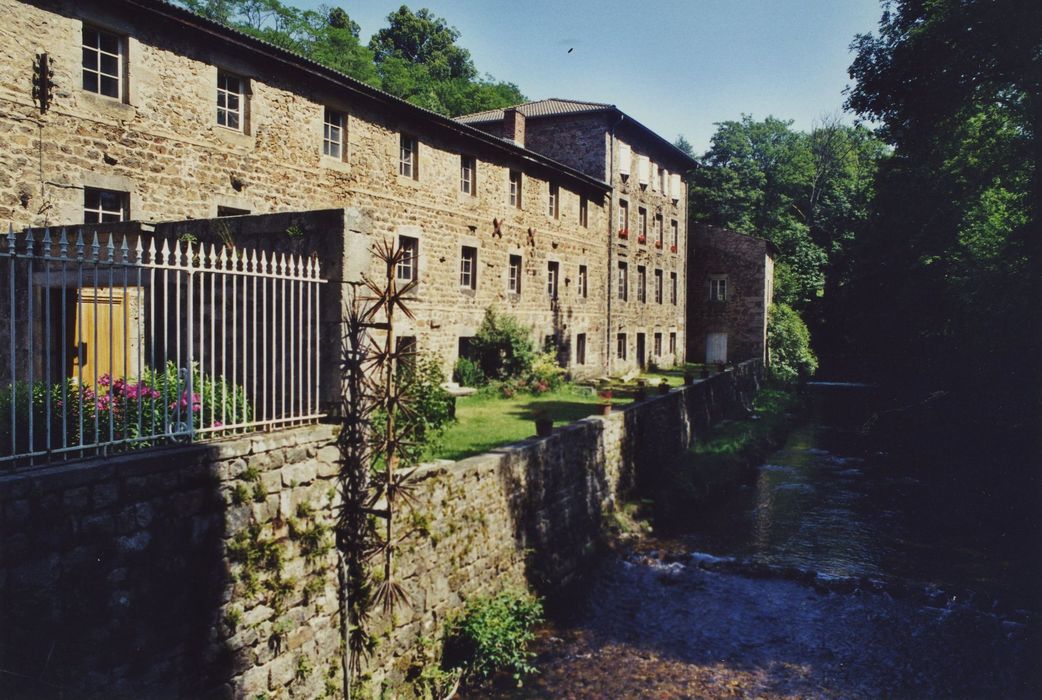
<point>716,348</point>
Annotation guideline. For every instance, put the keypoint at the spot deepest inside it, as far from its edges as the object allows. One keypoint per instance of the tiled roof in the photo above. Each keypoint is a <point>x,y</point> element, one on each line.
<point>552,106</point>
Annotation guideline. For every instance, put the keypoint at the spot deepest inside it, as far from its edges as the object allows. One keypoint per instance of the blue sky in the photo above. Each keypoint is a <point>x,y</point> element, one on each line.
<point>676,66</point>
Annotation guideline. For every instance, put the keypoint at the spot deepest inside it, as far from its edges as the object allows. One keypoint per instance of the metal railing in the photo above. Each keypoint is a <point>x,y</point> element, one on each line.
<point>118,342</point>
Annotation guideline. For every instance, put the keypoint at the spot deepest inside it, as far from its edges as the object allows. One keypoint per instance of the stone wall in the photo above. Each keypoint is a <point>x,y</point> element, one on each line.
<point>747,264</point>
<point>208,571</point>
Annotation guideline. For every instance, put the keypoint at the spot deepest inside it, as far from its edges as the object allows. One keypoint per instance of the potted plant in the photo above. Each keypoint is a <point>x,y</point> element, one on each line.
<point>605,395</point>
<point>624,233</point>
<point>673,248</point>
<point>663,387</point>
<point>544,424</point>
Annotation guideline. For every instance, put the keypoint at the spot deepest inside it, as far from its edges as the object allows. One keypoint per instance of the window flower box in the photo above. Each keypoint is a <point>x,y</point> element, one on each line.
<point>658,244</point>
<point>624,233</point>
<point>642,239</point>
<point>673,248</point>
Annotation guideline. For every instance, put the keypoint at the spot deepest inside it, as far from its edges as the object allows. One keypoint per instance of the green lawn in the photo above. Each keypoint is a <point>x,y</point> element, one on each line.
<point>484,421</point>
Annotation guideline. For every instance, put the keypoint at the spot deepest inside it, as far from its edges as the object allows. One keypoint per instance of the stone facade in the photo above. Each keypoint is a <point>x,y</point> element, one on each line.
<point>737,323</point>
<point>160,144</point>
<point>647,219</point>
<point>207,571</point>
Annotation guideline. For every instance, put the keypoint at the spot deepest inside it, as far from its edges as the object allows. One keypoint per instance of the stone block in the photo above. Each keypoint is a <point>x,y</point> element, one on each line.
<point>283,669</point>
<point>300,473</point>
<point>252,683</point>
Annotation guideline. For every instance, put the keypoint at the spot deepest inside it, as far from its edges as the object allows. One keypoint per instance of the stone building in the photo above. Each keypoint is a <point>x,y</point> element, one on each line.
<point>150,112</point>
<point>646,244</point>
<point>730,286</point>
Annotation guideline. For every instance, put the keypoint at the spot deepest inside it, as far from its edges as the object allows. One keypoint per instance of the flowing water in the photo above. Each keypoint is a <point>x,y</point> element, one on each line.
<point>842,570</point>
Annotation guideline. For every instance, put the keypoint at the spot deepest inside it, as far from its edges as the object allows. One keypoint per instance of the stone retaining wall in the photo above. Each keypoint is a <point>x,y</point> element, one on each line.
<point>209,571</point>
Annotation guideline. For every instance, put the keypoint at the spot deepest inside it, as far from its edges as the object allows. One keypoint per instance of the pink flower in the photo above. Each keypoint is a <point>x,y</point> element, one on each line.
<point>104,380</point>
<point>217,424</point>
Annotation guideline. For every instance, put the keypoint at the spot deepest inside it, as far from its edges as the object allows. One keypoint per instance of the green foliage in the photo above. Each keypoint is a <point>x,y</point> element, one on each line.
<point>467,372</point>
<point>502,346</point>
<point>788,343</point>
<point>492,635</point>
<point>137,410</point>
<point>545,374</point>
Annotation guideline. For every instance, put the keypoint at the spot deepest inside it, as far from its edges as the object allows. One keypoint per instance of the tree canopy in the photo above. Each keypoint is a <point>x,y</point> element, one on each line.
<point>416,57</point>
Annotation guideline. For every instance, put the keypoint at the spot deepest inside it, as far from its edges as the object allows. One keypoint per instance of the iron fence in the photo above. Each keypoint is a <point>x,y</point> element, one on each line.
<point>123,341</point>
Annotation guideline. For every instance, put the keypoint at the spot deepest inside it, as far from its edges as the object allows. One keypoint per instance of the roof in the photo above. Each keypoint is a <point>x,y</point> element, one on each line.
<point>553,106</point>
<point>559,107</point>
<point>713,229</point>
<point>335,78</point>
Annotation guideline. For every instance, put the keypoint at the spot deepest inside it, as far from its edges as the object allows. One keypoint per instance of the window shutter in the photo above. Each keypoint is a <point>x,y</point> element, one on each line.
<point>674,186</point>
<point>624,159</point>
<point>643,167</point>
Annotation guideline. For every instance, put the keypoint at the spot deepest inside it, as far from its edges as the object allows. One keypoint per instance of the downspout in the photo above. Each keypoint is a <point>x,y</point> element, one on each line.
<point>608,348</point>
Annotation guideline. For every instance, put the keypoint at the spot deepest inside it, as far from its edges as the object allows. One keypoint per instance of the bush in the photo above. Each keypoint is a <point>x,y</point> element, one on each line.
<point>502,346</point>
<point>468,373</point>
<point>545,374</point>
<point>428,407</point>
<point>788,343</point>
<point>492,635</point>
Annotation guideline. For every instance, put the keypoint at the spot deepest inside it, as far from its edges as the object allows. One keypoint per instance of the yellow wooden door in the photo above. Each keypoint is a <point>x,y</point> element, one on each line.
<point>100,333</point>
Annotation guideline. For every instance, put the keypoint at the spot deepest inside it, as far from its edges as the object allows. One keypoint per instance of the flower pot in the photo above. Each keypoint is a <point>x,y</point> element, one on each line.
<point>605,409</point>
<point>544,427</point>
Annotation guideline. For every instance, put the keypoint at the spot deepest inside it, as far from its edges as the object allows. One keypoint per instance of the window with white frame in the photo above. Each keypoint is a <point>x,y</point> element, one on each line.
<point>642,225</point>
<point>624,282</point>
<point>642,283</point>
<point>583,281</point>
<point>658,230</point>
<point>102,62</point>
<point>333,134</point>
<point>672,343</point>
<point>624,216</point>
<point>658,344</point>
<point>408,162</point>
<point>515,189</point>
<point>620,346</point>
<point>718,288</point>
<point>553,272</point>
<point>514,279</point>
<point>553,209</point>
<point>468,175</point>
<point>673,288</point>
<point>468,267</point>
<point>230,100</point>
<point>408,265</point>
<point>674,231</point>
<point>104,206</point>
<point>584,212</point>
<point>658,286</point>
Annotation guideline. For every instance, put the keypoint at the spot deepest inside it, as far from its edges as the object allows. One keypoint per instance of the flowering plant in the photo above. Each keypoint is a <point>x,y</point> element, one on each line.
<point>624,233</point>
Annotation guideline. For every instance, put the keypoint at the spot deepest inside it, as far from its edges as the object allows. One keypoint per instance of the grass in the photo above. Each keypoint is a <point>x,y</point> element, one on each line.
<point>487,420</point>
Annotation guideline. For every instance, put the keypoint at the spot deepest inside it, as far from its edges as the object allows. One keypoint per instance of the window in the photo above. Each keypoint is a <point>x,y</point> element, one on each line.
<point>584,212</point>
<point>514,282</point>
<point>624,281</point>
<point>642,225</point>
<point>580,348</point>
<point>673,288</point>
<point>583,281</point>
<point>620,346</point>
<point>642,283</point>
<point>658,230</point>
<point>658,344</point>
<point>718,288</point>
<point>408,265</point>
<point>103,206</point>
<point>468,175</point>
<point>624,218</point>
<point>672,343</point>
<point>658,286</point>
<point>468,267</point>
<point>663,181</point>
<point>555,195</point>
<point>674,231</point>
<point>229,101</point>
<point>333,134</point>
<point>102,63</point>
<point>408,163</point>
<point>406,347</point>
<point>553,269</point>
<point>515,188</point>
<point>231,211</point>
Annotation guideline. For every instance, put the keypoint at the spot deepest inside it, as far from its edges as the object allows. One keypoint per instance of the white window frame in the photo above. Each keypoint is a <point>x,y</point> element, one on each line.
<point>409,266</point>
<point>584,279</point>
<point>624,216</point>
<point>673,288</point>
<point>554,203</point>
<point>100,75</point>
<point>584,212</point>
<point>225,95</point>
<point>642,284</point>
<point>718,288</point>
<point>514,272</point>
<point>101,213</point>
<point>553,274</point>
<point>468,171</point>
<point>675,233</point>
<point>623,281</point>
<point>658,285</point>
<point>333,122</point>
<point>408,156</point>
<point>514,188</point>
<point>621,343</point>
<point>468,267</point>
<point>656,343</point>
<point>642,225</point>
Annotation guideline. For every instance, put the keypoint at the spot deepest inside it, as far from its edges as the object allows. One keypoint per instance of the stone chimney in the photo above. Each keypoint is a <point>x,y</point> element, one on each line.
<point>514,125</point>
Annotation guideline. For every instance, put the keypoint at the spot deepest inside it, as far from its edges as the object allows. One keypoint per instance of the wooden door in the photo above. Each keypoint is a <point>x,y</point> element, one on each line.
<point>100,334</point>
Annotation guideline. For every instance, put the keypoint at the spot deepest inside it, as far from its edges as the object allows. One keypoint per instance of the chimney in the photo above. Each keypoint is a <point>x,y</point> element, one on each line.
<point>514,125</point>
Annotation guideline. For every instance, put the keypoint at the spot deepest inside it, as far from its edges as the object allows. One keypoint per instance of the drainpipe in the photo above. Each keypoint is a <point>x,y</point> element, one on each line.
<point>608,348</point>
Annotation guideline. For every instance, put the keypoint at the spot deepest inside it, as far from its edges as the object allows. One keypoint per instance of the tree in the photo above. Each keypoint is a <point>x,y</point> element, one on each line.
<point>947,284</point>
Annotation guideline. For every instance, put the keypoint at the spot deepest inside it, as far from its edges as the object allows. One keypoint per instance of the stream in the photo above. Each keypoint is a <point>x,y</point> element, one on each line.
<point>841,570</point>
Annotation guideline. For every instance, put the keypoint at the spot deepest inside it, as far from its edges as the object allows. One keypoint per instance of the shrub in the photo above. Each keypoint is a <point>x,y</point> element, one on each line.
<point>545,374</point>
<point>427,406</point>
<point>502,346</point>
<point>492,635</point>
<point>468,373</point>
<point>788,343</point>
